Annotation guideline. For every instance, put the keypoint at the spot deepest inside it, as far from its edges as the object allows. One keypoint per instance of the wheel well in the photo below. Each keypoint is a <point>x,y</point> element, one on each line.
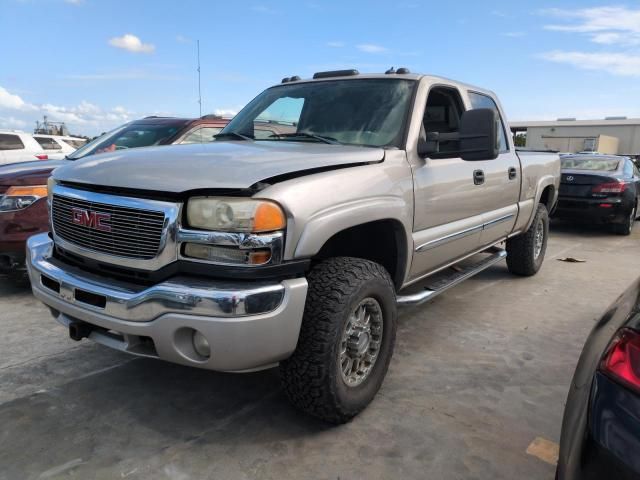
<point>382,241</point>
<point>547,197</point>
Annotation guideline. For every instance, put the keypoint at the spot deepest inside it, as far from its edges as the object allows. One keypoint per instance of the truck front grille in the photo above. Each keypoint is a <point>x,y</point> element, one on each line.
<point>110,229</point>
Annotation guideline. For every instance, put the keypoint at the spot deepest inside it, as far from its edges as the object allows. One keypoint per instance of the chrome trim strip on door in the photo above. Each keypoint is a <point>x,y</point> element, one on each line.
<point>461,234</point>
<point>447,238</point>
<point>498,220</point>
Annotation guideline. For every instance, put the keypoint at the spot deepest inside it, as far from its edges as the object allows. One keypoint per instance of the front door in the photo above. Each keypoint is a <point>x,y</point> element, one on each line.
<point>448,191</point>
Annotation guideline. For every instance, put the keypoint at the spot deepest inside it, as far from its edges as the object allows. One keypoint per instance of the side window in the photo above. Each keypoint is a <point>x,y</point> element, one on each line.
<point>201,135</point>
<point>48,143</point>
<point>636,172</point>
<point>10,142</point>
<point>442,114</point>
<point>284,112</point>
<point>483,101</point>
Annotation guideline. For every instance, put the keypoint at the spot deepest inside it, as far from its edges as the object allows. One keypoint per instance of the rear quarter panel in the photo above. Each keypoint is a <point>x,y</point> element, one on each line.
<point>539,170</point>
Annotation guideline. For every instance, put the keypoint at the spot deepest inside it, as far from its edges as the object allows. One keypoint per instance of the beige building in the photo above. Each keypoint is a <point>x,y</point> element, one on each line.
<point>613,135</point>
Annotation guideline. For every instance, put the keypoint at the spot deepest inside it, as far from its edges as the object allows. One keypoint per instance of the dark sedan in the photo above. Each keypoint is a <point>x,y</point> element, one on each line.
<point>601,426</point>
<point>600,188</point>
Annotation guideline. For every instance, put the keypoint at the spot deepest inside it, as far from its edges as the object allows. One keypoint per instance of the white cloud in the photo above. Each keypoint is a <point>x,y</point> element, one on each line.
<point>617,63</point>
<point>84,118</point>
<point>10,101</point>
<point>603,25</point>
<point>182,39</point>
<point>131,43</point>
<point>226,112</point>
<point>74,2</point>
<point>12,123</point>
<point>371,48</point>
<point>335,44</point>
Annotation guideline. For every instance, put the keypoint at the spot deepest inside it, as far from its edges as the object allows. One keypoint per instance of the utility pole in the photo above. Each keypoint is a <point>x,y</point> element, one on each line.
<point>199,89</point>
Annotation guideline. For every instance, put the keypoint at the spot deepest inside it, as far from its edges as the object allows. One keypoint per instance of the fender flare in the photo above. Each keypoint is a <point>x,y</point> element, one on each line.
<point>544,182</point>
<point>324,224</point>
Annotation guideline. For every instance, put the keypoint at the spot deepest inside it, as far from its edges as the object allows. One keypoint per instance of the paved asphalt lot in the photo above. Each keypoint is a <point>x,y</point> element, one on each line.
<point>477,376</point>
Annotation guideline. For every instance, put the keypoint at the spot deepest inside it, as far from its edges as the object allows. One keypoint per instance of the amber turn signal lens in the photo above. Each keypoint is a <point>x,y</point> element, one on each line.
<point>268,217</point>
<point>259,257</point>
<point>34,191</point>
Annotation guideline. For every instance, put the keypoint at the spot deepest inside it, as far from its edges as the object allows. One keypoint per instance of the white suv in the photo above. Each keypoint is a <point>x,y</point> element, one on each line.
<point>17,146</point>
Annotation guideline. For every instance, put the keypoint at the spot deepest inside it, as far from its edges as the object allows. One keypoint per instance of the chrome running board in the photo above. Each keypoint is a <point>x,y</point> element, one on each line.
<point>444,284</point>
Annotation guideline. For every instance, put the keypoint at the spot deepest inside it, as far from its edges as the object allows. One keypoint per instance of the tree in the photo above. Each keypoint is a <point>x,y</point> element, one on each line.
<point>520,139</point>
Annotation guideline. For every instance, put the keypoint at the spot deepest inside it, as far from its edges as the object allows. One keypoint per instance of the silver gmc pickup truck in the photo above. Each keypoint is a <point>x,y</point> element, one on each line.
<point>294,243</point>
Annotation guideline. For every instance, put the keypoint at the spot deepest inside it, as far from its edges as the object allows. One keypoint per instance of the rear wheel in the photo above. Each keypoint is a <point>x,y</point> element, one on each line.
<point>525,253</point>
<point>346,340</point>
<point>626,227</point>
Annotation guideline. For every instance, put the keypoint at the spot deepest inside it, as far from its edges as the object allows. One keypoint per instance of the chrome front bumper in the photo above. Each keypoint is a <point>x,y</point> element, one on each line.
<point>248,325</point>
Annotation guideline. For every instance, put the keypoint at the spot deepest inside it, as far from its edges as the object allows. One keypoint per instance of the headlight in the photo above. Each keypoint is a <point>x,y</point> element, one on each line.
<point>235,214</point>
<point>50,184</point>
<point>18,198</point>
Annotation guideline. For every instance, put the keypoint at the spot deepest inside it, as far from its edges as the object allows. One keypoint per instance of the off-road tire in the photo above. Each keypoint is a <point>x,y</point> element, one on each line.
<point>626,227</point>
<point>521,258</point>
<point>311,377</point>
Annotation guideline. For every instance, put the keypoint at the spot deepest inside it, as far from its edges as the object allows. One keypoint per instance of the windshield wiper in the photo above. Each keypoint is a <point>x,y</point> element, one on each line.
<point>232,134</point>
<point>320,138</point>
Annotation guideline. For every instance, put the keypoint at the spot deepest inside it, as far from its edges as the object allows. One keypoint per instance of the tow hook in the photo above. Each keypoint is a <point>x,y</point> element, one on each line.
<point>79,330</point>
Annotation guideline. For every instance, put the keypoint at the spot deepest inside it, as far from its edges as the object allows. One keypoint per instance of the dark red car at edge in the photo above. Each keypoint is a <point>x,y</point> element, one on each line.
<point>601,426</point>
<point>23,186</point>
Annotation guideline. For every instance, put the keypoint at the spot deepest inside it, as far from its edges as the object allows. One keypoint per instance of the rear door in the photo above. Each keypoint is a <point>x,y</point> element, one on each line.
<point>502,177</point>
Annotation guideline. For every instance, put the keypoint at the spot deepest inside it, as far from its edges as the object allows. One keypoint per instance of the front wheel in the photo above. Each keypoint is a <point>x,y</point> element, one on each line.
<point>346,339</point>
<point>525,253</point>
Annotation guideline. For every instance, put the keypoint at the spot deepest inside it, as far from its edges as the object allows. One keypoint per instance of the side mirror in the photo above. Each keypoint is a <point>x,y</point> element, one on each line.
<point>479,134</point>
<point>428,144</point>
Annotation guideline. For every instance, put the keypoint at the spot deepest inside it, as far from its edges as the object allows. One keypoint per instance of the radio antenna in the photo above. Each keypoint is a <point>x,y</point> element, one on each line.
<point>199,89</point>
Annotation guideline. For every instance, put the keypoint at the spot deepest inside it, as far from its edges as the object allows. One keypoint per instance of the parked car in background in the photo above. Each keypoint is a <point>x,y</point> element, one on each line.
<point>295,246</point>
<point>601,426</point>
<point>57,146</point>
<point>16,146</point>
<point>23,210</point>
<point>600,188</point>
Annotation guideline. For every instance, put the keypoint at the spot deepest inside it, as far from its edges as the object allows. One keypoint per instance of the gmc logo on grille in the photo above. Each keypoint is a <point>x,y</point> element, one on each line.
<point>89,219</point>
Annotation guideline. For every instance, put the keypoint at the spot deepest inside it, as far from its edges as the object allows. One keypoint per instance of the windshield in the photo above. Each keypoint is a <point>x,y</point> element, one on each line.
<point>130,135</point>
<point>368,112</point>
<point>586,163</point>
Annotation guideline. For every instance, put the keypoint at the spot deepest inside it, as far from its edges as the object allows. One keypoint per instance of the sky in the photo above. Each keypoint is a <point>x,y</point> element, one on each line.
<point>96,64</point>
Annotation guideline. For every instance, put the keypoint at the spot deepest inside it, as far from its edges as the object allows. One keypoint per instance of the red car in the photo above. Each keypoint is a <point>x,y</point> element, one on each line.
<point>23,186</point>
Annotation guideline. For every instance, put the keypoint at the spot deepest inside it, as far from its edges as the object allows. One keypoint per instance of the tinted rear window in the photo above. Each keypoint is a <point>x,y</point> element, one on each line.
<point>48,143</point>
<point>602,164</point>
<point>10,142</point>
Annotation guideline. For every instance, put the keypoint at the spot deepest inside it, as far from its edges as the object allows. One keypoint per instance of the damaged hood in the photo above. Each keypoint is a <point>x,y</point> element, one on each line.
<point>216,165</point>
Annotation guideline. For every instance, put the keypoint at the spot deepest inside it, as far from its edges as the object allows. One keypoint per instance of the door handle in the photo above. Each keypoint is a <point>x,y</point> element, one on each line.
<point>513,173</point>
<point>478,177</point>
